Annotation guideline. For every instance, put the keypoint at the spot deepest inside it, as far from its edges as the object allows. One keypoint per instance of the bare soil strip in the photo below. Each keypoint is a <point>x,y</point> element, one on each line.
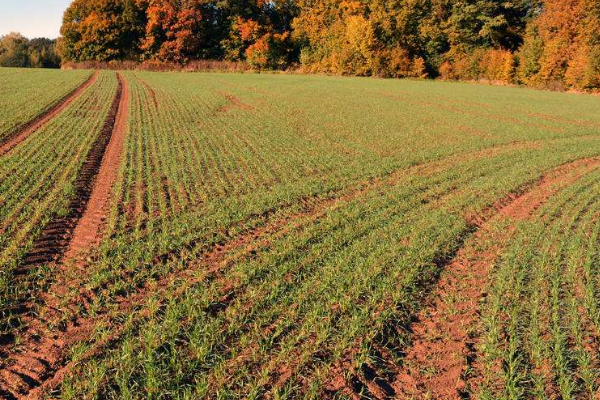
<point>212,262</point>
<point>40,349</point>
<point>77,328</point>
<point>150,90</point>
<point>24,131</point>
<point>88,231</point>
<point>235,102</point>
<point>439,364</point>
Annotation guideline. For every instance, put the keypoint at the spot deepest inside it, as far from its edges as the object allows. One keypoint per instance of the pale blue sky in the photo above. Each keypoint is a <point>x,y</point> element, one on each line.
<point>33,18</point>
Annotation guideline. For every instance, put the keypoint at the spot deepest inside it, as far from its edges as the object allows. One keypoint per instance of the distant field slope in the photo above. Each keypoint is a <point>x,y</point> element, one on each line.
<point>26,93</point>
<point>305,237</point>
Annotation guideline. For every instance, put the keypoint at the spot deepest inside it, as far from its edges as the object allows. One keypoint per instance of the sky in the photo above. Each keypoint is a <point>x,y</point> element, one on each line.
<point>33,18</point>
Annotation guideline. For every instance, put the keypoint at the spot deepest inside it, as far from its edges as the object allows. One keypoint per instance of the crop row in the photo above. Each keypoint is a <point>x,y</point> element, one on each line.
<point>26,93</point>
<point>266,230</point>
<point>541,319</point>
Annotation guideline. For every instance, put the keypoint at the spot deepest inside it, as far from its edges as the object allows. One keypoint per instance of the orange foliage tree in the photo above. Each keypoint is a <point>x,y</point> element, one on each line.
<point>260,34</point>
<point>101,30</point>
<point>173,30</point>
<point>563,45</point>
<point>524,41</point>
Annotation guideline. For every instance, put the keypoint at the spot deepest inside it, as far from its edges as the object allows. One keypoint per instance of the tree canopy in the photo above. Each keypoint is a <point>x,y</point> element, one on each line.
<point>18,51</point>
<point>525,41</point>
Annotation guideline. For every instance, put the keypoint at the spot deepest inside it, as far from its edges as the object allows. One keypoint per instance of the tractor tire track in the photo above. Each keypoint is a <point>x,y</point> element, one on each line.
<point>25,130</point>
<point>441,361</point>
<point>46,335</point>
<point>79,328</point>
<point>88,231</point>
<point>443,355</point>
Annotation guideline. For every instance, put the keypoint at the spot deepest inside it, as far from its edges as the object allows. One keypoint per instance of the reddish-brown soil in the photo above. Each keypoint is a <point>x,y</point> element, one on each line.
<point>87,233</point>
<point>24,131</point>
<point>445,334</point>
<point>46,334</point>
<point>150,90</point>
<point>234,102</point>
<point>441,362</point>
<point>27,379</point>
<point>212,263</point>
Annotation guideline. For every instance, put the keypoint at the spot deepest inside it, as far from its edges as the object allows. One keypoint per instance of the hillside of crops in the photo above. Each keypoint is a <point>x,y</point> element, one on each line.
<point>260,236</point>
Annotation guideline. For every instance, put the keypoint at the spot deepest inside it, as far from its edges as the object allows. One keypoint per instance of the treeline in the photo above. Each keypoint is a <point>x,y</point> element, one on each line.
<point>534,42</point>
<point>18,51</point>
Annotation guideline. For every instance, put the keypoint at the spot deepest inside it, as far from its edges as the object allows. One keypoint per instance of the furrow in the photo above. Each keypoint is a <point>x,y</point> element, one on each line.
<point>439,361</point>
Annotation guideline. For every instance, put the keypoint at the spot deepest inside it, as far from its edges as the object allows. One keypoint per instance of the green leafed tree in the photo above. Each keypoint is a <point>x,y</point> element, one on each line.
<point>14,51</point>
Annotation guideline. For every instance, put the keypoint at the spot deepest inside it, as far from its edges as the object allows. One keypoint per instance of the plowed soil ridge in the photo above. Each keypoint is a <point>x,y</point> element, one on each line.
<point>27,365</point>
<point>87,233</point>
<point>24,131</point>
<point>440,361</point>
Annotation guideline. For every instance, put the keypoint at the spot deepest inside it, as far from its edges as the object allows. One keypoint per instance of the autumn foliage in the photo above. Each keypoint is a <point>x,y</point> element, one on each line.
<point>173,29</point>
<point>534,42</point>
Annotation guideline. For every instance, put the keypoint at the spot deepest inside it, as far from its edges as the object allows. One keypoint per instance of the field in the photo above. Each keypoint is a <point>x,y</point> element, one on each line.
<point>258,236</point>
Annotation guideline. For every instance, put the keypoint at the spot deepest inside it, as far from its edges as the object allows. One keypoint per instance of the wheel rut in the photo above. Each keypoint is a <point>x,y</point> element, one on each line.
<point>441,361</point>
<point>45,335</point>
<point>24,131</point>
<point>88,231</point>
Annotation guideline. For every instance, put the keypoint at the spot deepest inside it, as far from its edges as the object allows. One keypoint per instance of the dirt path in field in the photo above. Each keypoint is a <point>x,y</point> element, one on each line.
<point>441,363</point>
<point>24,131</point>
<point>46,334</point>
<point>235,102</point>
<point>89,228</point>
<point>150,90</point>
<point>211,262</point>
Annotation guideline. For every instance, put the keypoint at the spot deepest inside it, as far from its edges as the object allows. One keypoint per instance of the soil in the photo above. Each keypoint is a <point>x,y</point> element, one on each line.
<point>88,231</point>
<point>234,102</point>
<point>150,90</point>
<point>26,379</point>
<point>441,362</point>
<point>38,363</point>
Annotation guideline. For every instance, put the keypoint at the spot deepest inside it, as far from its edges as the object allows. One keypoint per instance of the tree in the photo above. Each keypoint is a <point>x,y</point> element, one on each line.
<point>102,30</point>
<point>528,41</point>
<point>260,33</point>
<point>18,51</point>
<point>173,30</point>
<point>356,37</point>
<point>43,54</point>
<point>530,55</point>
<point>14,50</point>
<point>583,69</point>
<point>562,44</point>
